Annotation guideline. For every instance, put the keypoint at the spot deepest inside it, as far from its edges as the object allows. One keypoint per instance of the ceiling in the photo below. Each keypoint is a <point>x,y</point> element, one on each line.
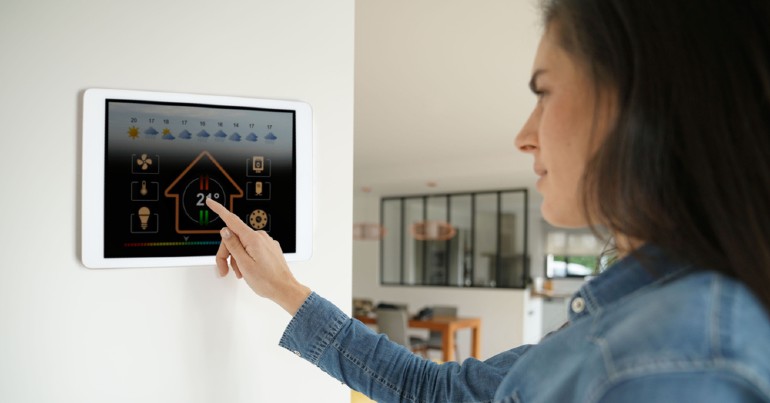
<point>440,93</point>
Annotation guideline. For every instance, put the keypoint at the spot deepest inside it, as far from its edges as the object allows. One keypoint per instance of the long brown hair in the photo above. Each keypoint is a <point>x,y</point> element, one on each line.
<point>687,166</point>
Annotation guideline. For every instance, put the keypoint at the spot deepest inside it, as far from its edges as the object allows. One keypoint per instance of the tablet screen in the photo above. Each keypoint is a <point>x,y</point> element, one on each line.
<point>163,159</point>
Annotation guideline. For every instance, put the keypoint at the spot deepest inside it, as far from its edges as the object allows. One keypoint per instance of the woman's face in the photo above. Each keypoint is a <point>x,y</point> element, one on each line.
<point>563,131</point>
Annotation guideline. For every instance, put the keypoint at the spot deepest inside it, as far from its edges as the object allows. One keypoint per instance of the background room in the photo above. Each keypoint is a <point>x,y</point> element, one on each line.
<point>441,92</point>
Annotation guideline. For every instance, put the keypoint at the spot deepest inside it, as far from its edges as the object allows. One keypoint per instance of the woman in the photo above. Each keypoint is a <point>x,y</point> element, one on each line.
<point>652,121</point>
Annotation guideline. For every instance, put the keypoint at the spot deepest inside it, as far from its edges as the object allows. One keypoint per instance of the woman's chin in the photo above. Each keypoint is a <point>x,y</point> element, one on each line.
<point>562,216</point>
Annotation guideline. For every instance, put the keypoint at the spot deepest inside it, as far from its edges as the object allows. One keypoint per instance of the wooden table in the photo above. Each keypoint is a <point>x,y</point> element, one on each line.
<point>447,326</point>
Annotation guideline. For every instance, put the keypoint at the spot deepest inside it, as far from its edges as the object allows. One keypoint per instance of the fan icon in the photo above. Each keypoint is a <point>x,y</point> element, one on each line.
<point>144,162</point>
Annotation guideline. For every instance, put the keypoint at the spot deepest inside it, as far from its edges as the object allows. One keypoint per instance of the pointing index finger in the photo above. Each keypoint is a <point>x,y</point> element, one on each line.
<point>233,221</point>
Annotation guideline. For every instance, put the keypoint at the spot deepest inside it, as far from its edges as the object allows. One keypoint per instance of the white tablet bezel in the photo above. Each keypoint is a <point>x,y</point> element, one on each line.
<point>93,173</point>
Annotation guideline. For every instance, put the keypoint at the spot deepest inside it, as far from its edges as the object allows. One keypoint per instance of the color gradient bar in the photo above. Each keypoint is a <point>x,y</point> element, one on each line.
<point>185,243</point>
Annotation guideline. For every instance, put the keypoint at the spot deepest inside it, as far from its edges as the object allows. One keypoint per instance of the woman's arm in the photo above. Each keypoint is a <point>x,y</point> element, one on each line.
<point>345,348</point>
<point>385,371</point>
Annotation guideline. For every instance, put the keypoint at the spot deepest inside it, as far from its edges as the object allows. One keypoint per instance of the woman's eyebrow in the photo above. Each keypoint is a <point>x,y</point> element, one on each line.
<point>533,80</point>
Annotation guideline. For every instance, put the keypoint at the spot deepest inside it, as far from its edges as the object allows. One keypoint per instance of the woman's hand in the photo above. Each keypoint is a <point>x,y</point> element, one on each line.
<point>258,259</point>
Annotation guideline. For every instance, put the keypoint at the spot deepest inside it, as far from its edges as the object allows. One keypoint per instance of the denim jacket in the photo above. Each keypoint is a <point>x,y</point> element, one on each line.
<point>645,330</point>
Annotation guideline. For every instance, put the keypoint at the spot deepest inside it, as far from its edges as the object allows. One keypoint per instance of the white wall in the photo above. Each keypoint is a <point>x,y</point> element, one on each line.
<point>69,334</point>
<point>509,316</point>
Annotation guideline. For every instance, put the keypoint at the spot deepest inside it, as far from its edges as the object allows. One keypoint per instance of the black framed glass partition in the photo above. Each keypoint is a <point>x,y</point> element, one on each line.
<point>469,239</point>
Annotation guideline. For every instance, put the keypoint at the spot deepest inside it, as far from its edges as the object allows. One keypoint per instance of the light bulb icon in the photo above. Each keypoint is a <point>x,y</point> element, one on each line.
<point>144,217</point>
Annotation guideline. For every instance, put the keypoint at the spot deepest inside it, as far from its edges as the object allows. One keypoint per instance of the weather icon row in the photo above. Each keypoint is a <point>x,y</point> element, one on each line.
<point>203,135</point>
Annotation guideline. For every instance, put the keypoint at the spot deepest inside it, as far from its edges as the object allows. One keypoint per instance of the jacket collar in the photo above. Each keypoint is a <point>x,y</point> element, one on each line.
<point>646,267</point>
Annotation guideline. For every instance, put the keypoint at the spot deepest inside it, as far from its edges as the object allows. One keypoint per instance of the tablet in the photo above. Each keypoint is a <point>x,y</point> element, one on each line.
<point>150,160</point>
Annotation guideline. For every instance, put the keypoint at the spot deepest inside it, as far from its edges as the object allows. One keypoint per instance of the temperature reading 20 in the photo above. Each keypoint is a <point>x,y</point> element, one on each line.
<point>203,196</point>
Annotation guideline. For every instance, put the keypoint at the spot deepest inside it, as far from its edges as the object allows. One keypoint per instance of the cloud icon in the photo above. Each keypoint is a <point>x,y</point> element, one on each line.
<point>270,136</point>
<point>235,137</point>
<point>185,135</point>
<point>168,136</point>
<point>220,134</point>
<point>151,131</point>
<point>204,134</point>
<point>251,137</point>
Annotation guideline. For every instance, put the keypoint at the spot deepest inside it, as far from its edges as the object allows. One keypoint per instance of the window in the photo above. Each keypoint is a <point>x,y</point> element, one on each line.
<point>571,252</point>
<point>467,239</point>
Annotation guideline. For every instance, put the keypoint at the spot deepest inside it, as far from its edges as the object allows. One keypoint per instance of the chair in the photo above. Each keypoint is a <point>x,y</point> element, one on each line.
<point>392,305</point>
<point>394,323</point>
<point>435,339</point>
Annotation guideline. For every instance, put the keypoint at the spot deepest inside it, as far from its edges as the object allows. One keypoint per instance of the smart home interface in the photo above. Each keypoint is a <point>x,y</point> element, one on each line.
<point>151,160</point>
<point>163,160</point>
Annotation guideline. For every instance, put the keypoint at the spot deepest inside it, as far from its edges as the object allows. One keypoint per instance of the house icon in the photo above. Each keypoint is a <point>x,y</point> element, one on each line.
<point>203,178</point>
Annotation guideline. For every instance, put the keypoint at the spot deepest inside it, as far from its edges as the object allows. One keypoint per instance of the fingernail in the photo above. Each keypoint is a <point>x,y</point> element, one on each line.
<point>225,233</point>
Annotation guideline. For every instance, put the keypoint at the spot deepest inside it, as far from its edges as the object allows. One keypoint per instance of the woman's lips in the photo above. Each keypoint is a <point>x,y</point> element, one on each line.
<point>541,173</point>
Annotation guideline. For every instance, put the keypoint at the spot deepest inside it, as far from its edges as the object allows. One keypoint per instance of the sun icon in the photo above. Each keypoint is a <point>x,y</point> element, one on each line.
<point>166,131</point>
<point>133,132</point>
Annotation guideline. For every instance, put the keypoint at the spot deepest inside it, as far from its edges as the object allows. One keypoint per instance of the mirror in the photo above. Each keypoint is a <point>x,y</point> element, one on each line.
<point>476,239</point>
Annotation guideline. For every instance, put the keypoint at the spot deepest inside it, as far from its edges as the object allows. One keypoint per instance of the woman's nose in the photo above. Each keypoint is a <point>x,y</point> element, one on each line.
<point>526,140</point>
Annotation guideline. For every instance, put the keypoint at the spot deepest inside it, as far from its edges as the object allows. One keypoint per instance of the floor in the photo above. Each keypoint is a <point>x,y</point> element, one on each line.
<point>356,397</point>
